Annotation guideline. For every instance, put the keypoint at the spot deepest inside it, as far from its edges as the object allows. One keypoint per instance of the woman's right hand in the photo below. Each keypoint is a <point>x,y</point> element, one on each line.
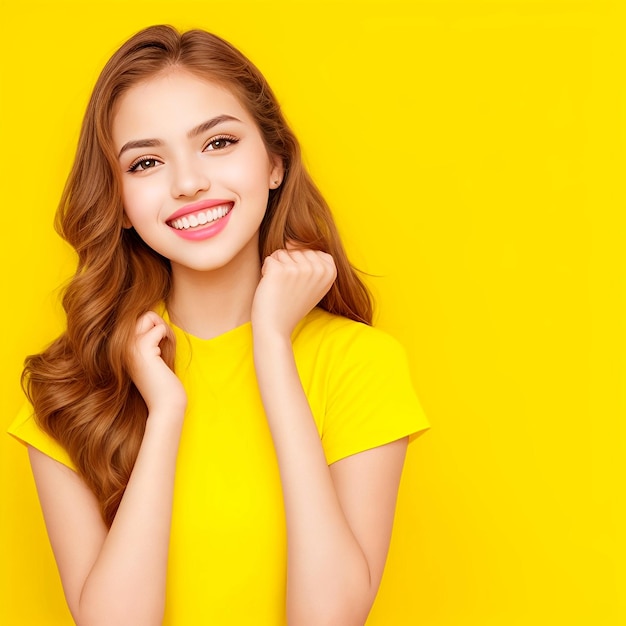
<point>158,385</point>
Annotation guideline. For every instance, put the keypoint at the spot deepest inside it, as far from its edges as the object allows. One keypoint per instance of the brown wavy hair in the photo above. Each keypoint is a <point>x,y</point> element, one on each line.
<point>80,387</point>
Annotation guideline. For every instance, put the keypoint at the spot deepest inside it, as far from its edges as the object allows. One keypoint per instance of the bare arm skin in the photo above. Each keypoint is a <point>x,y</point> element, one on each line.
<point>339,519</point>
<point>118,576</point>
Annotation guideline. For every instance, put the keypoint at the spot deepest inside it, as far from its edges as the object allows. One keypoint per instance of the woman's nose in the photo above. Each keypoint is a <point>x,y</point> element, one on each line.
<point>190,177</point>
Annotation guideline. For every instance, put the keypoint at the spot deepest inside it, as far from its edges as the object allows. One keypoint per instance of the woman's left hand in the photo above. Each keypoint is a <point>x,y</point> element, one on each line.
<point>292,283</point>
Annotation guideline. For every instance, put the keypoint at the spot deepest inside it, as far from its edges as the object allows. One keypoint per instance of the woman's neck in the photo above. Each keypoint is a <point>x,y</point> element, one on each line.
<point>208,304</point>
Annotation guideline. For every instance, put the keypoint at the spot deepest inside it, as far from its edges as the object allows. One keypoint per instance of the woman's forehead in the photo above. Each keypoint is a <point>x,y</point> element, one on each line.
<point>176,100</point>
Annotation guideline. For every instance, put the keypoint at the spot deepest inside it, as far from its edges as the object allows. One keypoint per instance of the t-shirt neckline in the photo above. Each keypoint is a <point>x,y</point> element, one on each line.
<point>237,335</point>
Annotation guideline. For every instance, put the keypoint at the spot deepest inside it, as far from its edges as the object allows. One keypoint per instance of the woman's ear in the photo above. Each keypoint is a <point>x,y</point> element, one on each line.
<point>126,222</point>
<point>277,173</point>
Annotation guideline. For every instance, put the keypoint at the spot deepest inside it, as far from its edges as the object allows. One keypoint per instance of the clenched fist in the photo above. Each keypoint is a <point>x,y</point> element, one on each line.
<point>292,283</point>
<point>158,385</point>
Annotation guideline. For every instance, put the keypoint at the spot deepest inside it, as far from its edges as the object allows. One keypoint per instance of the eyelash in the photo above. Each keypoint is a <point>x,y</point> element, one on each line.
<point>135,165</point>
<point>229,139</point>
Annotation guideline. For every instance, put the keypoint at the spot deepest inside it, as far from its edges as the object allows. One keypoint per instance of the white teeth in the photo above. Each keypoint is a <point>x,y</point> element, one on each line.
<point>200,218</point>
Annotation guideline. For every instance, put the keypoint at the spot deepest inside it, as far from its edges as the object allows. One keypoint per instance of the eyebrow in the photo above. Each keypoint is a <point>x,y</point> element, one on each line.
<point>194,132</point>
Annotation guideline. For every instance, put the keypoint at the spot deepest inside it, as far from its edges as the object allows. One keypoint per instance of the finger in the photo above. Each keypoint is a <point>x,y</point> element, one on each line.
<point>316,261</point>
<point>326,260</point>
<point>268,264</point>
<point>295,256</point>
<point>152,337</point>
<point>281,255</point>
<point>147,321</point>
<point>155,336</point>
<point>310,254</point>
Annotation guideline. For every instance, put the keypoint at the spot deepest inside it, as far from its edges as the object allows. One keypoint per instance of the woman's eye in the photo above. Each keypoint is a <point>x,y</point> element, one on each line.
<point>143,164</point>
<point>219,143</point>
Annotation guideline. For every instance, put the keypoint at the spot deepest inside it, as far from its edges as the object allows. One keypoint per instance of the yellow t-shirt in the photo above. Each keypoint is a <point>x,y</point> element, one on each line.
<point>227,562</point>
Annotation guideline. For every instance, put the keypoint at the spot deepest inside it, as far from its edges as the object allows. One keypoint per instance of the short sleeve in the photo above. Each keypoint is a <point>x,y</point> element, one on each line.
<point>26,430</point>
<point>371,400</point>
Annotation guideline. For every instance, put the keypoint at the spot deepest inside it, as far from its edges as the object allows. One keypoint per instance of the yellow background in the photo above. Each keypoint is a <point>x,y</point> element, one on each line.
<point>474,155</point>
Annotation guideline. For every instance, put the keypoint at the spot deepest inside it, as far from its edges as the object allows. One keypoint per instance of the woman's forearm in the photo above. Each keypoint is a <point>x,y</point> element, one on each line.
<point>328,574</point>
<point>127,582</point>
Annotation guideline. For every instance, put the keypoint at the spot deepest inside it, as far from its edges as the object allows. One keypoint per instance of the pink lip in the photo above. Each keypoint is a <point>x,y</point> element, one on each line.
<point>197,206</point>
<point>200,233</point>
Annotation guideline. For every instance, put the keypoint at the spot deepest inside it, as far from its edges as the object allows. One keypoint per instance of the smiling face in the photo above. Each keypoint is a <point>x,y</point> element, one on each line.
<point>195,171</point>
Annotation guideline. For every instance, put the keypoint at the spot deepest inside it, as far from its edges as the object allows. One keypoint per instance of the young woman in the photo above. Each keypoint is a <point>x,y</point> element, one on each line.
<point>218,436</point>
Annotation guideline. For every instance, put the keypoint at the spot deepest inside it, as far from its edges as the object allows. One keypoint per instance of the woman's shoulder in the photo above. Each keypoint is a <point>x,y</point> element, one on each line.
<point>349,340</point>
<point>359,379</point>
<point>25,429</point>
